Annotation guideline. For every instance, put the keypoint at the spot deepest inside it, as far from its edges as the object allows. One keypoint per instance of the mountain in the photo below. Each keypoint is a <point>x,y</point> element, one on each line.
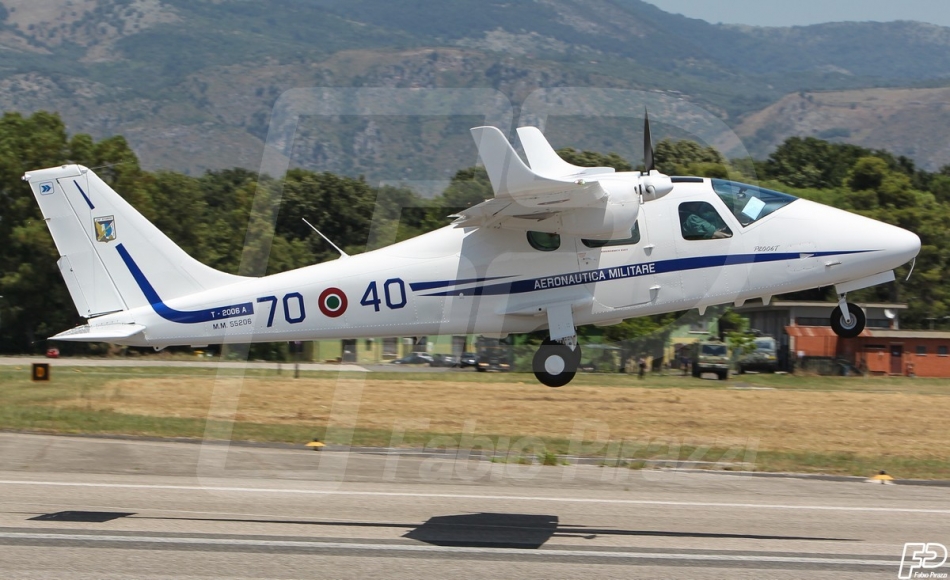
<point>909,122</point>
<point>192,83</point>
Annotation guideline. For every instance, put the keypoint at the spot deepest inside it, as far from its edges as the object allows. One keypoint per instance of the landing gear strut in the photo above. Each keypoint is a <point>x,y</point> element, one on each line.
<point>555,363</point>
<point>847,319</point>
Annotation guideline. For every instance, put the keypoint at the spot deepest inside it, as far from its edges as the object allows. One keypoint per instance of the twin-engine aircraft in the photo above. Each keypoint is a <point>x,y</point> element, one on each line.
<point>556,247</point>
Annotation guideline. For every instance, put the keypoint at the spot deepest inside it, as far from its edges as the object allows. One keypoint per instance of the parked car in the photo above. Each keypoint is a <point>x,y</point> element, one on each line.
<point>52,353</point>
<point>444,360</point>
<point>468,359</point>
<point>414,358</point>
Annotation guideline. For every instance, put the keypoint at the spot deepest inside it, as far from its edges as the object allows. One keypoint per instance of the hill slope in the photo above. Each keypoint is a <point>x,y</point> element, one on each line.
<point>911,122</point>
<point>192,83</point>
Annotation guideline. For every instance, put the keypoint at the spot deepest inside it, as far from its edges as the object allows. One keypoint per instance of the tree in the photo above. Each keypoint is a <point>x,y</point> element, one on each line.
<point>687,157</point>
<point>594,159</point>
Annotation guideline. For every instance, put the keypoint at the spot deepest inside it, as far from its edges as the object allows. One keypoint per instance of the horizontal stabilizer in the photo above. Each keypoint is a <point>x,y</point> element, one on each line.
<point>545,161</point>
<point>103,333</point>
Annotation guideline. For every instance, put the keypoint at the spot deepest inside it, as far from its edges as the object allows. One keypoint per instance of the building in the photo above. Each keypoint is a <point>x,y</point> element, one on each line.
<point>805,338</point>
<point>921,353</point>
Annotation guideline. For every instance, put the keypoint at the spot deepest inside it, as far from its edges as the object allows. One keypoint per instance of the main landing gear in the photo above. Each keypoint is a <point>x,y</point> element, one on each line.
<point>558,357</point>
<point>555,363</point>
<point>847,319</point>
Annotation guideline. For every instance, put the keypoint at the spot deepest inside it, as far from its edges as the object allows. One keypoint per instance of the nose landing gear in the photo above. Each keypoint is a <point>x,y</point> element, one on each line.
<point>555,363</point>
<point>847,319</point>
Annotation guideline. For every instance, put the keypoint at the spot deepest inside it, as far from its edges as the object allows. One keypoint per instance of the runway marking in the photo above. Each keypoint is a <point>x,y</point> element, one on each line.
<point>233,542</point>
<point>476,496</point>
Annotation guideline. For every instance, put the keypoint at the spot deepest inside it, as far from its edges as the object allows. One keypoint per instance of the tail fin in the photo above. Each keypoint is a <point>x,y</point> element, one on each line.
<point>545,161</point>
<point>112,258</point>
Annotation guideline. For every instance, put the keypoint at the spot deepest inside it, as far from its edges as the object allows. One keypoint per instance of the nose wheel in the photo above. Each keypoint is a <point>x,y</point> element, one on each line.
<point>847,319</point>
<point>555,364</point>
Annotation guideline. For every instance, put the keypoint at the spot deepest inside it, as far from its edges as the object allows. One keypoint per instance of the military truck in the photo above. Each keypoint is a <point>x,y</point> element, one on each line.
<point>764,358</point>
<point>710,356</point>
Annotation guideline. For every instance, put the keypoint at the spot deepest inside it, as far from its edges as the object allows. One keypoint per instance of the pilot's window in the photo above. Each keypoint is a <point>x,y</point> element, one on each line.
<point>700,221</point>
<point>748,202</point>
<point>633,239</point>
<point>543,241</point>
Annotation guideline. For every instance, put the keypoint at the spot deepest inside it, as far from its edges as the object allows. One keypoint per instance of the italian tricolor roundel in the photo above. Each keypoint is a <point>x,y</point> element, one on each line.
<point>332,302</point>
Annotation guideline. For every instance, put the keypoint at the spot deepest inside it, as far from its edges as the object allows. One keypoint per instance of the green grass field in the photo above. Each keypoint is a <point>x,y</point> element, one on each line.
<point>835,425</point>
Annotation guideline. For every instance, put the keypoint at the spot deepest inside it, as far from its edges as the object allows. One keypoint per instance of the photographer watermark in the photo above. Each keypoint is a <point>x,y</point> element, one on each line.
<point>921,560</point>
<point>473,456</point>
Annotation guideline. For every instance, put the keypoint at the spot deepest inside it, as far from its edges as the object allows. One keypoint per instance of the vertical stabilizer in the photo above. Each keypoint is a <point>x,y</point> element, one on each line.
<point>97,233</point>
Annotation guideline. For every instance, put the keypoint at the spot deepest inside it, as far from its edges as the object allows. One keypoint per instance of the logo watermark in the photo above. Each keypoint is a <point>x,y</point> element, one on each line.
<point>919,560</point>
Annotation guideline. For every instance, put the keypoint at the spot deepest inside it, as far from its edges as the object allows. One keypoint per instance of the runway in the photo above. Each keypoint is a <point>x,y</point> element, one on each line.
<point>73,507</point>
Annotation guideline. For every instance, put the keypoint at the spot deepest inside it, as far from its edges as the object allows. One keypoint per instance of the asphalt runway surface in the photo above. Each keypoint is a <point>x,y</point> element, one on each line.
<point>91,508</point>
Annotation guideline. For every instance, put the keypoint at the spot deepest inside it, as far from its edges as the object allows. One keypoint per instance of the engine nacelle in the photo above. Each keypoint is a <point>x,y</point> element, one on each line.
<point>654,185</point>
<point>613,220</point>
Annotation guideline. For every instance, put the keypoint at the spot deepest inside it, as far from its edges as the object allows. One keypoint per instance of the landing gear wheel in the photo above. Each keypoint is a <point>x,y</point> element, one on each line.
<point>848,328</point>
<point>555,364</point>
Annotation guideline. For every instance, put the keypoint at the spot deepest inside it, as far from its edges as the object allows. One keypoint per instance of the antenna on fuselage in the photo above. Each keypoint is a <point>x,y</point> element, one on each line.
<point>335,247</point>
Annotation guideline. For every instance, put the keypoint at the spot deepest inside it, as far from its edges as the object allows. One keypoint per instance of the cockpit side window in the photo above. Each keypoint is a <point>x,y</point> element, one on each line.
<point>700,221</point>
<point>750,203</point>
<point>633,239</point>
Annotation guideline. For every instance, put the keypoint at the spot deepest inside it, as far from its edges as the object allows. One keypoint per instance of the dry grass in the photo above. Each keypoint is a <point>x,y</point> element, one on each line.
<point>874,424</point>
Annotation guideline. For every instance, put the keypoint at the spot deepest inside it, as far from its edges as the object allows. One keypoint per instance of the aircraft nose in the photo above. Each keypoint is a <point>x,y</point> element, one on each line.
<point>902,244</point>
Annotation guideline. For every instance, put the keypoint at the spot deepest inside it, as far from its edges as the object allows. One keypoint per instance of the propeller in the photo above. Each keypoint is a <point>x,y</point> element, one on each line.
<point>653,184</point>
<point>648,163</point>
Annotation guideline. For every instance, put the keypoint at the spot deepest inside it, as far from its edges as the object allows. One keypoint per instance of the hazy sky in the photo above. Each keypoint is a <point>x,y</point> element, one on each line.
<point>801,12</point>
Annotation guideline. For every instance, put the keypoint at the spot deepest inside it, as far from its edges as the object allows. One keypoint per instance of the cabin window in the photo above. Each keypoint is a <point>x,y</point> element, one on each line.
<point>749,203</point>
<point>700,221</point>
<point>633,239</point>
<point>543,241</point>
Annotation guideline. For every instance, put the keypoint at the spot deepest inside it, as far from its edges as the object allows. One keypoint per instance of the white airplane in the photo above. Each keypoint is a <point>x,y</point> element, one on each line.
<point>557,247</point>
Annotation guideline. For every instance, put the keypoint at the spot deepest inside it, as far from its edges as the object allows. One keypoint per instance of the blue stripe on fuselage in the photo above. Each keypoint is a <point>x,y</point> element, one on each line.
<point>180,316</point>
<point>627,271</point>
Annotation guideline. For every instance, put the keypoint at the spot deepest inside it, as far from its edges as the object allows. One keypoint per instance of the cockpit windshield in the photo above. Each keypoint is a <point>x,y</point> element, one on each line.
<point>750,203</point>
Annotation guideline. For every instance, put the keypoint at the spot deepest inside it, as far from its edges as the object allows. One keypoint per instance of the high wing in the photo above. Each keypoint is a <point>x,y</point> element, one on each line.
<point>526,199</point>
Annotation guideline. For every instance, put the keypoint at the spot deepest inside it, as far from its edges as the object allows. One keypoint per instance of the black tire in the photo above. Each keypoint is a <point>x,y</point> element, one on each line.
<point>740,370</point>
<point>844,330</point>
<point>723,375</point>
<point>555,364</point>
<point>696,373</point>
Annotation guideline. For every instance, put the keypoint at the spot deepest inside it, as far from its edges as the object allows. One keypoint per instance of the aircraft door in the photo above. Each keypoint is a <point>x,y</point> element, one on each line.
<point>622,270</point>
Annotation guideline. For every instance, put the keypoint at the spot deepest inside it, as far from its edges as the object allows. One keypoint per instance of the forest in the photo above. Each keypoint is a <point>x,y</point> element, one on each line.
<point>212,215</point>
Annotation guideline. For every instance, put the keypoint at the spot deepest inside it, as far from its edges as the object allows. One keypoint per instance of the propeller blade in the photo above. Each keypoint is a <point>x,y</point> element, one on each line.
<point>648,163</point>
